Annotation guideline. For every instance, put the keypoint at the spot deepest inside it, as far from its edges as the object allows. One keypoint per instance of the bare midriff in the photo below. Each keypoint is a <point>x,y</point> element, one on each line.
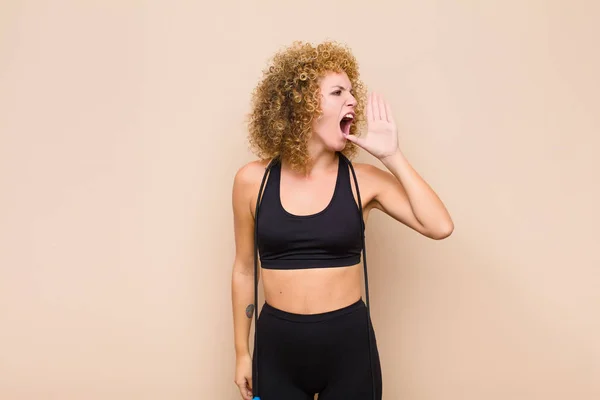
<point>312,290</point>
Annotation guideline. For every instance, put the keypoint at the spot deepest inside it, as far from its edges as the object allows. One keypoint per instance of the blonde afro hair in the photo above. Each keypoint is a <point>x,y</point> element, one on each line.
<point>287,100</point>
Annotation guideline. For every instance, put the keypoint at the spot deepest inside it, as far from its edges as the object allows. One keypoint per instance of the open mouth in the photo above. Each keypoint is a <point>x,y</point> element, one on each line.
<point>346,123</point>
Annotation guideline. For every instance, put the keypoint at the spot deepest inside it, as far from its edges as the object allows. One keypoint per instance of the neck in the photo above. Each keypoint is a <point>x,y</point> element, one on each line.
<point>319,161</point>
<point>320,158</point>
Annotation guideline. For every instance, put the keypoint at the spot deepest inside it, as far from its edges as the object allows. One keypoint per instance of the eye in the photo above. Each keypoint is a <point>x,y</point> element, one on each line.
<point>337,93</point>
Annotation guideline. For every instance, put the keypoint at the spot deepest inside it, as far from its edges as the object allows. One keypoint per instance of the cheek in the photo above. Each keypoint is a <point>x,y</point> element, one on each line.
<point>327,125</point>
<point>328,107</point>
<point>330,115</point>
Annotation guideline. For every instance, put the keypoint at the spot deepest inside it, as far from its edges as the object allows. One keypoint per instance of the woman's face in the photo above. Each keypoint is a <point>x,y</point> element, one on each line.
<point>337,106</point>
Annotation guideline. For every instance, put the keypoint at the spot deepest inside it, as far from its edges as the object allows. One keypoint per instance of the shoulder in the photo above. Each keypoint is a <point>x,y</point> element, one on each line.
<point>246,182</point>
<point>371,180</point>
<point>251,173</point>
<point>375,180</point>
<point>366,170</point>
<point>368,174</point>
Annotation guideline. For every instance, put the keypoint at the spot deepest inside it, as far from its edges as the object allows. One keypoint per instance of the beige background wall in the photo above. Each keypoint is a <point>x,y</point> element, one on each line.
<point>121,127</point>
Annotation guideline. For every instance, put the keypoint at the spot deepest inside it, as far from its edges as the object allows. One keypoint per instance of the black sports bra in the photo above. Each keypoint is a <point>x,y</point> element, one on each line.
<point>329,238</point>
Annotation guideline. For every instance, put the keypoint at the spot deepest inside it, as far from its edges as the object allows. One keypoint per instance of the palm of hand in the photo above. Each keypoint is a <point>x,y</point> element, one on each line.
<point>382,133</point>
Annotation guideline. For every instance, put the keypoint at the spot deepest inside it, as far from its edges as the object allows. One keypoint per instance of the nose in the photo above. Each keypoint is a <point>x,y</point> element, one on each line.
<point>351,101</point>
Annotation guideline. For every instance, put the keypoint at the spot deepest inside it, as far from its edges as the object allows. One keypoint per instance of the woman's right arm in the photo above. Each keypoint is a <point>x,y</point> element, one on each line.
<point>242,281</point>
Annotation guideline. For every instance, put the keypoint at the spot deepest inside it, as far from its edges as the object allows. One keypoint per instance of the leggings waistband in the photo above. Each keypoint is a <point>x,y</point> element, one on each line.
<point>324,316</point>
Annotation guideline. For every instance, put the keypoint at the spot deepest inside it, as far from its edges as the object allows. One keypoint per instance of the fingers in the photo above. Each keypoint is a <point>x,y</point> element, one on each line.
<point>370,107</point>
<point>382,110</point>
<point>375,106</point>
<point>388,111</point>
<point>378,108</point>
<point>245,391</point>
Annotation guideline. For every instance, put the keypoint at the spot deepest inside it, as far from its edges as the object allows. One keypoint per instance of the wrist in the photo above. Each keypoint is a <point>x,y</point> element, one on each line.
<point>242,353</point>
<point>389,158</point>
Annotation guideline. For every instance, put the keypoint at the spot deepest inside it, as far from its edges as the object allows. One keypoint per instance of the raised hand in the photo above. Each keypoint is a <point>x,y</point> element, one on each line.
<point>382,134</point>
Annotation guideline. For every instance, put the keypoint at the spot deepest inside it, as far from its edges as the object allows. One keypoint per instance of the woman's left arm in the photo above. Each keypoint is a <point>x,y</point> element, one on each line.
<point>404,195</point>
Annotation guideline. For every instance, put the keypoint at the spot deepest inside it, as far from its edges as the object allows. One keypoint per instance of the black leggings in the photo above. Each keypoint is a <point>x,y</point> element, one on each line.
<point>327,353</point>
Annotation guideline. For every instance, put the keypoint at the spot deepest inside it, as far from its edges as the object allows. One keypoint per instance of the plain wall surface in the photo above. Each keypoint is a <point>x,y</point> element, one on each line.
<point>122,126</point>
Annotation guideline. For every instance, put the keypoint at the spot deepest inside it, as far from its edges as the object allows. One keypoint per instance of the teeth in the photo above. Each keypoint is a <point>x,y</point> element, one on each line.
<point>349,115</point>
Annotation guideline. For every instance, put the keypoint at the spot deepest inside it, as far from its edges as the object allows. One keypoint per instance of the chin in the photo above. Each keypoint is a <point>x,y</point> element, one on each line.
<point>337,145</point>
<point>332,141</point>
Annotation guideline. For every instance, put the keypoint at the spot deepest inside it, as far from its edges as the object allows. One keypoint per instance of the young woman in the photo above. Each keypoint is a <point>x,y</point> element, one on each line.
<point>300,209</point>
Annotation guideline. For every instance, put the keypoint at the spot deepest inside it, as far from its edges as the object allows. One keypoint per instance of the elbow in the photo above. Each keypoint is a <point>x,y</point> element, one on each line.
<point>243,268</point>
<point>442,232</point>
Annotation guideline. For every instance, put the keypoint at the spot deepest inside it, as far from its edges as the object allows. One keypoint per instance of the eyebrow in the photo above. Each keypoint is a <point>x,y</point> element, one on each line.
<point>341,87</point>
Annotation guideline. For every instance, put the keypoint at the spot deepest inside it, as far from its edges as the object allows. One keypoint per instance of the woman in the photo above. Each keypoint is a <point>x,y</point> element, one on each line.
<point>301,207</point>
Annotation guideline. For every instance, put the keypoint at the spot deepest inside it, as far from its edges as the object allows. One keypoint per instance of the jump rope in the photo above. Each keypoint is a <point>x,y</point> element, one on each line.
<point>364,251</point>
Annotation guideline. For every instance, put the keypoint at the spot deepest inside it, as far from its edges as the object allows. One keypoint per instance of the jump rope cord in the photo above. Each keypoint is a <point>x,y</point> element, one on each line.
<point>258,201</point>
<point>364,249</point>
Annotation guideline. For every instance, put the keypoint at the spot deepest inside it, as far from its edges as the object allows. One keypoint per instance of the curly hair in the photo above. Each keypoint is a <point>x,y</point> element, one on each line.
<point>287,100</point>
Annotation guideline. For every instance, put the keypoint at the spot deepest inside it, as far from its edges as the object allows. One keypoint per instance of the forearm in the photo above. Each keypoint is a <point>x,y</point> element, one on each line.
<point>425,203</point>
<point>242,296</point>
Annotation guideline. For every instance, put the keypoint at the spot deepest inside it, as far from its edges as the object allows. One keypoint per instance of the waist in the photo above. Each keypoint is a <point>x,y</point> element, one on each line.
<point>324,315</point>
<point>308,291</point>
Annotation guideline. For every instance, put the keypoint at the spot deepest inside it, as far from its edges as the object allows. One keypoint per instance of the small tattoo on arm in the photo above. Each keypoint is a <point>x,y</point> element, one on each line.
<point>249,310</point>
